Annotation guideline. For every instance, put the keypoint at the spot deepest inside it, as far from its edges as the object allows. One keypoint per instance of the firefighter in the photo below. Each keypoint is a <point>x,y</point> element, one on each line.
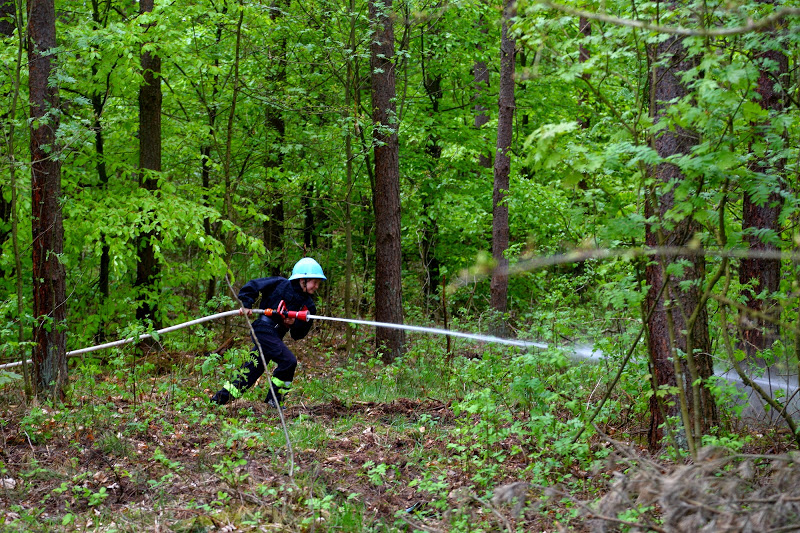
<point>281,294</point>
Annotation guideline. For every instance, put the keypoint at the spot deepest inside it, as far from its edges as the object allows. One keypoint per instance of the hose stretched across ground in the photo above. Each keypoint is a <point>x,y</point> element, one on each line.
<point>140,337</point>
<point>473,336</point>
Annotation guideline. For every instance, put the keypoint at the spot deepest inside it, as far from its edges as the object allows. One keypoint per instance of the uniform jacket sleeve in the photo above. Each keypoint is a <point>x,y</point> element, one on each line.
<point>249,293</point>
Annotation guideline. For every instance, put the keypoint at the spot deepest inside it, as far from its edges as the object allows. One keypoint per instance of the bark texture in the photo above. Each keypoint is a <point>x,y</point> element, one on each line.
<point>758,334</point>
<point>273,227</point>
<point>49,288</point>
<point>388,260</point>
<point>502,172</point>
<point>666,325</point>
<point>147,271</point>
<point>7,25</point>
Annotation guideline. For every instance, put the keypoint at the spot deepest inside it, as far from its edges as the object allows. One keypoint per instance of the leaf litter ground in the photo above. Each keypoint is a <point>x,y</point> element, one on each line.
<point>152,461</point>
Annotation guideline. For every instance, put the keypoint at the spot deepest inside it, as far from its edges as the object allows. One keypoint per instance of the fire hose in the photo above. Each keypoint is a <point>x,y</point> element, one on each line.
<point>303,315</point>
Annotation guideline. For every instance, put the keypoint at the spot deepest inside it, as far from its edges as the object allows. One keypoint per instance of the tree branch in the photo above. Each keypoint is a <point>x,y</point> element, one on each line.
<point>751,26</point>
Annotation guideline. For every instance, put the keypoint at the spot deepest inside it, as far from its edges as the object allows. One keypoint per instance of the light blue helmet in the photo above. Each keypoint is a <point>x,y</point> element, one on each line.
<point>307,268</point>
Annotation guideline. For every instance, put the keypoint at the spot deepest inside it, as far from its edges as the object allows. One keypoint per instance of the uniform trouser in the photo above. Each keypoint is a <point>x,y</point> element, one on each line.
<point>274,350</point>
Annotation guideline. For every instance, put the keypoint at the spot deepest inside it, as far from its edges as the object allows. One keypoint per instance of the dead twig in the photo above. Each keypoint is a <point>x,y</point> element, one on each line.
<point>497,513</point>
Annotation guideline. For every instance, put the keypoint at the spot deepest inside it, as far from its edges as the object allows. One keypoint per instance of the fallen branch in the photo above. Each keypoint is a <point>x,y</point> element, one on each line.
<point>751,26</point>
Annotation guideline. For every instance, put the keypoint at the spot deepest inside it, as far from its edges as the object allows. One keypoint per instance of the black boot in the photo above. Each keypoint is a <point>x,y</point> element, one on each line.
<point>272,402</point>
<point>221,397</point>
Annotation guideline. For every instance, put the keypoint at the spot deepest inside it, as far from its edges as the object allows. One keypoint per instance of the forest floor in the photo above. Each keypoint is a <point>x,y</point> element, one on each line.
<point>153,454</point>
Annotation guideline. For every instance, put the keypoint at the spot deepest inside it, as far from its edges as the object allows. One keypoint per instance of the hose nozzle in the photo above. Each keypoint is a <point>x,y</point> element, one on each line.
<point>285,313</point>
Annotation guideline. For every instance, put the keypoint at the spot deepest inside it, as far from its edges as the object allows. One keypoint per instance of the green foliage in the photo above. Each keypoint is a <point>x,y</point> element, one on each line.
<point>8,377</point>
<point>259,107</point>
<point>230,469</point>
<point>36,425</point>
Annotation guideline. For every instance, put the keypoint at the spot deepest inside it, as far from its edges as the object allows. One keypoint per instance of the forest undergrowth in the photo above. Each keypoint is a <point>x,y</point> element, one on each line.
<point>481,438</point>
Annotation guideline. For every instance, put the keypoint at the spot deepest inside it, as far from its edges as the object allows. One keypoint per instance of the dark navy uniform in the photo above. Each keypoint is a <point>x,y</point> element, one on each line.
<point>268,293</point>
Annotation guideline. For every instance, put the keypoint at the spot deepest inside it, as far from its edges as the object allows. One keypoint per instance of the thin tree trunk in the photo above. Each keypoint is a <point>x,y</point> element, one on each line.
<point>205,177</point>
<point>432,81</point>
<point>309,235</point>
<point>585,29</point>
<point>350,87</point>
<point>502,171</point>
<point>388,295</point>
<point>207,148</point>
<point>148,270</point>
<point>480,78</point>
<point>8,10</point>
<point>98,101</point>
<point>226,160</point>
<point>585,111</point>
<point>49,285</point>
<point>274,225</point>
<point>7,17</point>
<point>758,334</point>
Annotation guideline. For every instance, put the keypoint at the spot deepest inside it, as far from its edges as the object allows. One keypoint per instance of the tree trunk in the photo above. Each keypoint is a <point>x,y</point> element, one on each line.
<point>274,225</point>
<point>207,148</point>
<point>49,286</point>
<point>585,29</point>
<point>667,324</point>
<point>388,267</point>
<point>11,211</point>
<point>7,17</point>
<point>480,78</point>
<point>98,101</point>
<point>349,97</point>
<point>757,333</point>
<point>309,233</point>
<point>584,107</point>
<point>5,214</point>
<point>502,171</point>
<point>147,271</point>
<point>430,262</point>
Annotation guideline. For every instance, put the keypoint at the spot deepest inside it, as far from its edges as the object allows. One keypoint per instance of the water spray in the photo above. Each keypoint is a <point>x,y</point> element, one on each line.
<point>304,315</point>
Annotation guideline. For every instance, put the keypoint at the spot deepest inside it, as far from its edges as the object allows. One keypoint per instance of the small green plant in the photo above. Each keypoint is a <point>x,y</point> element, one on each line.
<point>635,514</point>
<point>97,498</point>
<point>37,426</point>
<point>377,473</point>
<point>6,376</point>
<point>731,441</point>
<point>158,456</point>
<point>235,434</point>
<point>223,498</point>
<point>320,509</point>
<point>77,490</point>
<point>435,485</point>
<point>231,469</point>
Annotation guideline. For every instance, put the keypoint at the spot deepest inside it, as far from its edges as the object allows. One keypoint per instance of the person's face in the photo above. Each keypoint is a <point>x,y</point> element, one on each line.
<point>310,285</point>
